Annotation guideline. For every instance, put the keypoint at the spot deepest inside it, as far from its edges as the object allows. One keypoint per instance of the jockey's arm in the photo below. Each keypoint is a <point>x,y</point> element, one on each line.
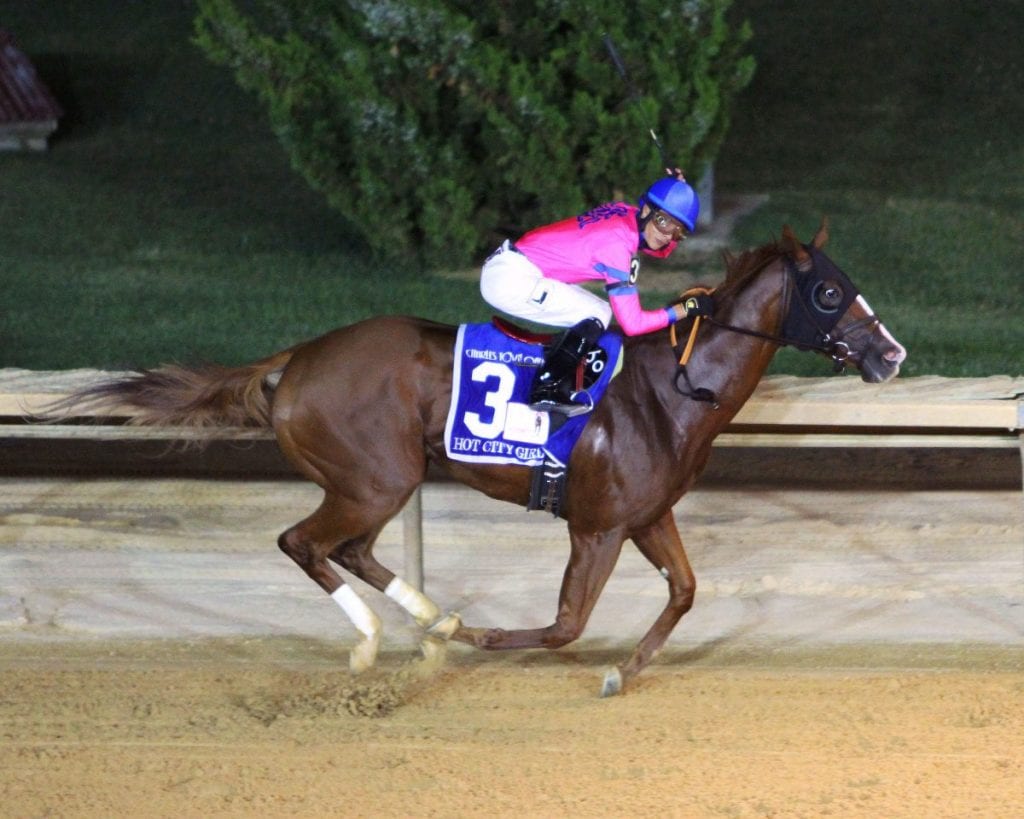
<point>625,303</point>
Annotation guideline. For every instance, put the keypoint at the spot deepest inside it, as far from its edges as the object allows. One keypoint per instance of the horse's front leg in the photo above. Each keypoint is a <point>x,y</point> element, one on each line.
<point>659,543</point>
<point>590,564</point>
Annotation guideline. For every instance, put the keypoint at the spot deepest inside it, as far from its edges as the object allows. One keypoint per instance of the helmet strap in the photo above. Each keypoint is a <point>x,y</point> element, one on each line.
<point>641,222</point>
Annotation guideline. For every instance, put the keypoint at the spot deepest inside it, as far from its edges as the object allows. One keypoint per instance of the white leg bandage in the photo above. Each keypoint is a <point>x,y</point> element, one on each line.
<point>358,612</point>
<point>422,608</point>
<point>365,653</point>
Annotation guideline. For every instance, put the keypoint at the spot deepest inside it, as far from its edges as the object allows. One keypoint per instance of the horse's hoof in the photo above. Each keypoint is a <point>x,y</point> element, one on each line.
<point>612,683</point>
<point>434,650</point>
<point>364,655</point>
<point>446,626</point>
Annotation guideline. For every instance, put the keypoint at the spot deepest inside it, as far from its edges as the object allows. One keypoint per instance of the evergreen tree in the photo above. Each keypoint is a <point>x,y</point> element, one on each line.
<point>436,126</point>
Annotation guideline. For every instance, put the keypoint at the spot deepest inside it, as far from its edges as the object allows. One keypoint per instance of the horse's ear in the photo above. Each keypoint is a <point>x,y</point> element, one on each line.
<point>821,237</point>
<point>791,245</point>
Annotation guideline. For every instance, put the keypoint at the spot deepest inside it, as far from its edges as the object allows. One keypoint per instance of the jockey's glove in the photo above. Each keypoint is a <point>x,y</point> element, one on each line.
<point>699,305</point>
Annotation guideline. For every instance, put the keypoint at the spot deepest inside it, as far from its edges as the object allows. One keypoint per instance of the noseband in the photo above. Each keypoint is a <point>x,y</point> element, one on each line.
<point>823,294</point>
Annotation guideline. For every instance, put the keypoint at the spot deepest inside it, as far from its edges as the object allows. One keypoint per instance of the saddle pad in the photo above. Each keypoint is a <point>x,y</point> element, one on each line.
<point>490,421</point>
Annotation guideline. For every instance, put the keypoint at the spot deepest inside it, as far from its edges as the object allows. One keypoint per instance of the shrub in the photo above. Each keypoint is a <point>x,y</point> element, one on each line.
<point>436,125</point>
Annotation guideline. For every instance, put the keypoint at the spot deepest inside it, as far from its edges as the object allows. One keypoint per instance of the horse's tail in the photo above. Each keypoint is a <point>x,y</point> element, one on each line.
<point>205,398</point>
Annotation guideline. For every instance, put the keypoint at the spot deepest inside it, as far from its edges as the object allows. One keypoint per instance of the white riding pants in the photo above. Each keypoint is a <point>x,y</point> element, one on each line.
<point>513,284</point>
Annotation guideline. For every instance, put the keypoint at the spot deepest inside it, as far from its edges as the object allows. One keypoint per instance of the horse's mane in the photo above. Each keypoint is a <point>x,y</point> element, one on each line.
<point>741,270</point>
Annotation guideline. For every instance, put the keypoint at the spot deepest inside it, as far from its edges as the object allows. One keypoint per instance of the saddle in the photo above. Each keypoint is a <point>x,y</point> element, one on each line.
<point>545,340</point>
<point>521,333</point>
<point>489,420</point>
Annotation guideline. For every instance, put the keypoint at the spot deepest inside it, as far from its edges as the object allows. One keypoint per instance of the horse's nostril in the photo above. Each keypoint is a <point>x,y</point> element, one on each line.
<point>895,356</point>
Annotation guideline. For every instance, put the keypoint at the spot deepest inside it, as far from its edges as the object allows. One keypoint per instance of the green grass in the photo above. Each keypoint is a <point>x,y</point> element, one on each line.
<point>165,224</point>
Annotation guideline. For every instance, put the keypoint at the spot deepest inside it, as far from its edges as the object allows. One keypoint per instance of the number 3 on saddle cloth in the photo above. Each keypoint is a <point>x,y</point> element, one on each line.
<point>489,420</point>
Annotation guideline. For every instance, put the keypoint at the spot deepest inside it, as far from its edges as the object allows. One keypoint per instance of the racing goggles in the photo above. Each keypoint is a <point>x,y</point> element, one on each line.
<point>667,226</point>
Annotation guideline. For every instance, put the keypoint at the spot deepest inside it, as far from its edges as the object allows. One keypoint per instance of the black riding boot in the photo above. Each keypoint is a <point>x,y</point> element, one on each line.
<point>553,386</point>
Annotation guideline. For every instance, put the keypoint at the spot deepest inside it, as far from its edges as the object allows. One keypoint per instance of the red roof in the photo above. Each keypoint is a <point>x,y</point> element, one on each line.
<point>23,96</point>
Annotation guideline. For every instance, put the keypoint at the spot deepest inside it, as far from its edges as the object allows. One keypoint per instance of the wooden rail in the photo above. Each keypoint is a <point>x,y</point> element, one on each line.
<point>918,412</point>
<point>784,413</point>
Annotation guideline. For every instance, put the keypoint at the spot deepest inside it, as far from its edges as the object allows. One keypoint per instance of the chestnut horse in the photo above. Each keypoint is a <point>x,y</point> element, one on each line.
<point>361,411</point>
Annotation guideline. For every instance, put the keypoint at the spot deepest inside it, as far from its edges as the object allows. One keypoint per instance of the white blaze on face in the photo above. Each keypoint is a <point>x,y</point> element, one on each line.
<point>894,356</point>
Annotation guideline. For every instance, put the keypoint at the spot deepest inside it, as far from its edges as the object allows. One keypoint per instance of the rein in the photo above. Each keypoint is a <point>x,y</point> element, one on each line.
<point>696,393</point>
<point>831,344</point>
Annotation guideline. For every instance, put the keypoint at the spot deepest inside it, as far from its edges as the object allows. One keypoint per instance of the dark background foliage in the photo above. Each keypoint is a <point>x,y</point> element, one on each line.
<point>451,121</point>
<point>165,222</point>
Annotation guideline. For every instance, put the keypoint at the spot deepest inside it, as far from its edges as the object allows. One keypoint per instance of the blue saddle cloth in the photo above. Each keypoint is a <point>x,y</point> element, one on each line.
<point>490,421</point>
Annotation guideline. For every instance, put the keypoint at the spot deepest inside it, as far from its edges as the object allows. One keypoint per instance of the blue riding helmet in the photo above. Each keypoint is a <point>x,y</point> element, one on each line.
<point>676,198</point>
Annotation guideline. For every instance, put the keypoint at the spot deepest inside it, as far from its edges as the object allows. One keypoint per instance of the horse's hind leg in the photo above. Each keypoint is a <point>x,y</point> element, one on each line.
<point>357,557</point>
<point>310,542</point>
<point>661,545</point>
<point>328,533</point>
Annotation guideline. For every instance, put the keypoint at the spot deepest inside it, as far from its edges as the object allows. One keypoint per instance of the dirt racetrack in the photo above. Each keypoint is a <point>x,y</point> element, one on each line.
<point>859,654</point>
<point>238,730</point>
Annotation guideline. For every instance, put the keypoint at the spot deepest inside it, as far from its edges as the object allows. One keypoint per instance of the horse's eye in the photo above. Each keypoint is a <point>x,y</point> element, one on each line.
<point>828,296</point>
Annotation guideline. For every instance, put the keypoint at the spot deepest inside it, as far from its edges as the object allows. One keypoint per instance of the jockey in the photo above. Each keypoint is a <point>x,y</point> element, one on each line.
<point>538,278</point>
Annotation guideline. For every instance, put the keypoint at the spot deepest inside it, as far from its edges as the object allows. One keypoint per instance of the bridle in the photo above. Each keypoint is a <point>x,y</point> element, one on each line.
<point>823,294</point>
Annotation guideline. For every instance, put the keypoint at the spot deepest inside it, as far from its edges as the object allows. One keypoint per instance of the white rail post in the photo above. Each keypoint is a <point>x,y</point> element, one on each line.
<point>412,528</point>
<point>1020,435</point>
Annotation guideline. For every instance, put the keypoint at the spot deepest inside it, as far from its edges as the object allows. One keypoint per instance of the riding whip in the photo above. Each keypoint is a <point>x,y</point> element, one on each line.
<point>634,95</point>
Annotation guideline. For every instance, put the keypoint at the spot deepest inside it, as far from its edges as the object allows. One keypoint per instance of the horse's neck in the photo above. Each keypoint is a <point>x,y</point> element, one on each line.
<point>744,358</point>
<point>758,306</point>
<point>726,362</point>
